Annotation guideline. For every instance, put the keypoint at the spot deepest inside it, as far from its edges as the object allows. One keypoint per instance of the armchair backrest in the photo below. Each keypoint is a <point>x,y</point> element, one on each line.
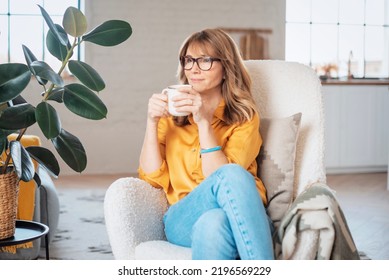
<point>282,89</point>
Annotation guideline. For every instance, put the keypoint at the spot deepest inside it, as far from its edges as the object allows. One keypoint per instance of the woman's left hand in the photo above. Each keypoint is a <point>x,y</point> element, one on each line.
<point>190,101</point>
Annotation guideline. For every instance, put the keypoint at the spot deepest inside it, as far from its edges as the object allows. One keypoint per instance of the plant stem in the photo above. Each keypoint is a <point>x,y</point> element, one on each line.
<point>64,63</point>
<point>8,159</point>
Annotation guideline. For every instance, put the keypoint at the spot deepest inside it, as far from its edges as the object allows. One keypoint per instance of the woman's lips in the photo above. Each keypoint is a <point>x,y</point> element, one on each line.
<point>196,80</point>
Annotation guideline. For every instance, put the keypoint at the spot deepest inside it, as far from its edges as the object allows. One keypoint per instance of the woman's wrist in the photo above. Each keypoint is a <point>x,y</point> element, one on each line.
<point>152,122</point>
<point>207,137</point>
<point>210,150</point>
<point>204,123</point>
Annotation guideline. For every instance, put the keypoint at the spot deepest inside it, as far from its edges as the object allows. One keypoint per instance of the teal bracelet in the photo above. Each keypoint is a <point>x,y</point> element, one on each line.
<point>204,151</point>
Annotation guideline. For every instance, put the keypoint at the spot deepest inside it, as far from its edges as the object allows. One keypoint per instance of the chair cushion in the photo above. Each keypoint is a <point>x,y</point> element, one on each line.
<point>161,250</point>
<point>276,162</point>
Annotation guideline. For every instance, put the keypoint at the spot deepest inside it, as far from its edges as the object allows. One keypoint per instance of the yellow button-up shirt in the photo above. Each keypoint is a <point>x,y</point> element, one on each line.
<point>181,169</point>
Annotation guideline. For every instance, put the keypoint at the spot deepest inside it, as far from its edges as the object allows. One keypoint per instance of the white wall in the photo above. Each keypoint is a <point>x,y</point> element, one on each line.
<point>147,63</point>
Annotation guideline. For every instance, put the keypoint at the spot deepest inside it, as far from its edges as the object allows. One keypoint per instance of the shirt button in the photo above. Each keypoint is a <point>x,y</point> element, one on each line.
<point>193,150</point>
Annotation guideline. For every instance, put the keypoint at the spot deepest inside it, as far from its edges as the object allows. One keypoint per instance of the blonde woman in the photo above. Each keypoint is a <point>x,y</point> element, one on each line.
<point>205,162</point>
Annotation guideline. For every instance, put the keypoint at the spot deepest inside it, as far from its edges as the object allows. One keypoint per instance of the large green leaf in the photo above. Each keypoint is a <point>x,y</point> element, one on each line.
<point>43,70</point>
<point>14,78</point>
<point>48,120</point>
<point>30,57</point>
<point>55,47</point>
<point>87,75</point>
<point>17,117</point>
<point>84,102</point>
<point>45,158</point>
<point>57,94</point>
<point>71,150</point>
<point>74,22</point>
<point>62,38</point>
<point>22,161</point>
<point>109,33</point>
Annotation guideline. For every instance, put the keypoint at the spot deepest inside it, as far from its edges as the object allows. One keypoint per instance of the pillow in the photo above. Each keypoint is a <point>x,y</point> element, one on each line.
<point>276,163</point>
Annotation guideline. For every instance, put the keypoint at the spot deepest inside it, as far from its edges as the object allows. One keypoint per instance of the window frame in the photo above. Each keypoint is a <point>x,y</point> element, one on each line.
<point>308,23</point>
<point>36,13</point>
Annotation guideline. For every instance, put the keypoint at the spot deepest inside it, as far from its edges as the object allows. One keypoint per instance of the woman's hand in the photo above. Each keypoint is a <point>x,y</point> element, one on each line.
<point>157,107</point>
<point>191,101</point>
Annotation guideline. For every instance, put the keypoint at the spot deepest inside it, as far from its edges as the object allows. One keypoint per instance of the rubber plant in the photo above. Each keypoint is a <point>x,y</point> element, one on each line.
<point>80,97</point>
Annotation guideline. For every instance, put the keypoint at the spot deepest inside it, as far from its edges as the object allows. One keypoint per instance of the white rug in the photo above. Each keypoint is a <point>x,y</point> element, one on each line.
<point>81,233</point>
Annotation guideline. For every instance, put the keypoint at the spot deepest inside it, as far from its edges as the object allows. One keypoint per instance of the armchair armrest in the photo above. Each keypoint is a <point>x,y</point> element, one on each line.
<point>133,211</point>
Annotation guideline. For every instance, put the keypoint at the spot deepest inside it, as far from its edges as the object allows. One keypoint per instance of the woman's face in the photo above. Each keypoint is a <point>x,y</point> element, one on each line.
<point>205,82</point>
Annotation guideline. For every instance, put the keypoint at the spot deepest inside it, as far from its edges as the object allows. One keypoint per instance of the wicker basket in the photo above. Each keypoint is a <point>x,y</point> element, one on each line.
<point>9,189</point>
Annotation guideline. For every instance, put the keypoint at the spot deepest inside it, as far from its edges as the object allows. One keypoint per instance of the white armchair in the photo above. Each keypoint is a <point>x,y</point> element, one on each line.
<point>134,210</point>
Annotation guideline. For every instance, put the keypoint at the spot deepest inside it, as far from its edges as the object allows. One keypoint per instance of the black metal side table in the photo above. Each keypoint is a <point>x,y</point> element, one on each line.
<point>26,231</point>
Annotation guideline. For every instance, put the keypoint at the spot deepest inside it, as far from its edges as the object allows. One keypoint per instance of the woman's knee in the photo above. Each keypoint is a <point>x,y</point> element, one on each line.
<point>236,175</point>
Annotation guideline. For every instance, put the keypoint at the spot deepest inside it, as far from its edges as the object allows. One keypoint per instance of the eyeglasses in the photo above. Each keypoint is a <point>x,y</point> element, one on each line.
<point>204,63</point>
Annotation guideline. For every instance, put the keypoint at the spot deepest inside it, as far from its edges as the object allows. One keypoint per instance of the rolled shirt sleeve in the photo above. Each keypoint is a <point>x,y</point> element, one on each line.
<point>158,178</point>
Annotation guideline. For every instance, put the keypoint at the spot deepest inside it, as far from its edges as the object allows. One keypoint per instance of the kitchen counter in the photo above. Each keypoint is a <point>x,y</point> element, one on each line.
<point>357,81</point>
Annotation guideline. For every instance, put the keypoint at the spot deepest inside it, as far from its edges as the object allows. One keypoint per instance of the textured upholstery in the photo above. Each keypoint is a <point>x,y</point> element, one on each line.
<point>134,210</point>
<point>282,89</point>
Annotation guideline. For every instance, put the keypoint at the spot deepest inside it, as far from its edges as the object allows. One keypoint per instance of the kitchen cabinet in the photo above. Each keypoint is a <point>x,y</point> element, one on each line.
<point>356,128</point>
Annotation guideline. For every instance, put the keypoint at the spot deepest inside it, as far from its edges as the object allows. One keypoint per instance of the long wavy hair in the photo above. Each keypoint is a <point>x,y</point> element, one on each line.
<point>236,87</point>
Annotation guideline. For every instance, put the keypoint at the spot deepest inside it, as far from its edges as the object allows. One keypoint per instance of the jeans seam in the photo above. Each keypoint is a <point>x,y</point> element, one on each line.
<point>239,224</point>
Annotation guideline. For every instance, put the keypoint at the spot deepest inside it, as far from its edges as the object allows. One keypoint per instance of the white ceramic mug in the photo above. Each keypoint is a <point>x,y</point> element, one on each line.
<point>172,91</point>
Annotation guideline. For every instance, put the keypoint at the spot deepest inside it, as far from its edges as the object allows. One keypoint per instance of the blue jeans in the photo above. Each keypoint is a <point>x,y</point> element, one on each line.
<point>223,218</point>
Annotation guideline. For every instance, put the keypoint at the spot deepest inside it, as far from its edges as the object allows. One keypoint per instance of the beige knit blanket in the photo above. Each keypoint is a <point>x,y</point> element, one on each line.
<point>316,210</point>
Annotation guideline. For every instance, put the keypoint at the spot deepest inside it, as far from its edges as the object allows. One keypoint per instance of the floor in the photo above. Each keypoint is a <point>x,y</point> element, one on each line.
<point>364,199</point>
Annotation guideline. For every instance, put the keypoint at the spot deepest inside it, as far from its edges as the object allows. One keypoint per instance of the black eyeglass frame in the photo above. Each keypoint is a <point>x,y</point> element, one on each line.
<point>196,60</point>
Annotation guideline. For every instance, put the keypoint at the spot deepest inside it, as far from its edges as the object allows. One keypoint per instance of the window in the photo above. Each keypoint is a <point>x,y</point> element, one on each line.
<point>339,35</point>
<point>21,22</point>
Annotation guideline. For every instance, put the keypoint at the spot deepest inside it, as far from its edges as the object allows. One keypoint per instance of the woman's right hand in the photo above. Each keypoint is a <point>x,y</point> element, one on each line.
<point>157,107</point>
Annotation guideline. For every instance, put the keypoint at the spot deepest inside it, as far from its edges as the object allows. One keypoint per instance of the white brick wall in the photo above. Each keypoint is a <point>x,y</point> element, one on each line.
<point>147,62</point>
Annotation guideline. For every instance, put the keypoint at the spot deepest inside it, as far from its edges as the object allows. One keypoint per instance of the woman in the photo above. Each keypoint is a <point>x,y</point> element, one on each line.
<point>205,162</point>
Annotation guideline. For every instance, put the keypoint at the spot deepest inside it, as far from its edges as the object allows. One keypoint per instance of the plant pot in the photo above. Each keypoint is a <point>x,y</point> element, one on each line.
<point>9,190</point>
